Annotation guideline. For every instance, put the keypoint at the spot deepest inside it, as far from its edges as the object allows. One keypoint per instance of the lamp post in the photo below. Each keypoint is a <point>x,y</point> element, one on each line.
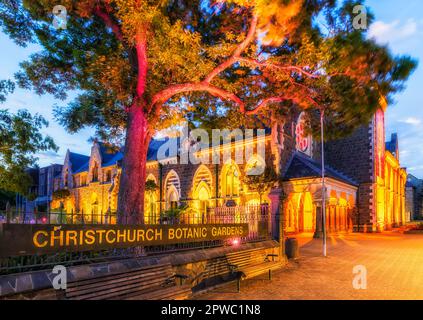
<point>322,115</point>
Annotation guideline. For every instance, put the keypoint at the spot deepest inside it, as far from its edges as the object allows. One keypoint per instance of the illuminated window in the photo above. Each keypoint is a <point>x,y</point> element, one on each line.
<point>231,180</point>
<point>66,178</point>
<point>202,183</point>
<point>303,140</point>
<point>380,144</point>
<point>150,202</point>
<point>173,189</point>
<point>95,172</point>
<point>83,180</point>
<point>108,176</point>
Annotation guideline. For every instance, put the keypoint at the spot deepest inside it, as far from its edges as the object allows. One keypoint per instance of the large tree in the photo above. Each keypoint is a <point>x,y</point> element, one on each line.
<point>140,65</point>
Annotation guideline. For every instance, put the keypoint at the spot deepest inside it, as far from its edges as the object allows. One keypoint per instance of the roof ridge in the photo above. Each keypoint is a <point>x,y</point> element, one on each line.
<point>310,163</point>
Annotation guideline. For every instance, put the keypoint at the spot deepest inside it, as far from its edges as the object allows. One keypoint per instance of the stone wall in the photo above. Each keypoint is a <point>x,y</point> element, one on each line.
<point>37,285</point>
<point>353,156</point>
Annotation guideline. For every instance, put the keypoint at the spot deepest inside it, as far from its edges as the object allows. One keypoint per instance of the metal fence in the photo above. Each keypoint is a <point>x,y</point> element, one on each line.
<point>257,217</point>
<point>56,217</point>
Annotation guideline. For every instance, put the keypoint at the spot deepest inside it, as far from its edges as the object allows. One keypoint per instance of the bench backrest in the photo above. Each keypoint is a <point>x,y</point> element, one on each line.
<point>247,257</point>
<point>119,284</point>
<point>222,265</point>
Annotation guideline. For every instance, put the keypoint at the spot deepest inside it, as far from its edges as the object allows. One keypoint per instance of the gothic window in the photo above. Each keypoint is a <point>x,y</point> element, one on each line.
<point>303,140</point>
<point>95,172</point>
<point>231,180</point>
<point>83,180</point>
<point>108,176</point>
<point>173,189</point>
<point>150,203</point>
<point>202,189</point>
<point>66,178</point>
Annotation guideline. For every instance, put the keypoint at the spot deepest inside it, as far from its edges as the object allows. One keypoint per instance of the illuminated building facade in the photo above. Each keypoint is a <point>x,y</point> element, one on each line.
<point>365,185</point>
<point>375,165</point>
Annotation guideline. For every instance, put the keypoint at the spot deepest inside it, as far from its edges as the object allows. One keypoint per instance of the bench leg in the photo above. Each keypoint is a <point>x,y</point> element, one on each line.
<point>270,274</point>
<point>238,285</point>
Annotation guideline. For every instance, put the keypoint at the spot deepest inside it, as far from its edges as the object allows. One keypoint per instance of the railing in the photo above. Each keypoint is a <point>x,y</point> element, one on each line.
<point>56,217</point>
<point>257,218</point>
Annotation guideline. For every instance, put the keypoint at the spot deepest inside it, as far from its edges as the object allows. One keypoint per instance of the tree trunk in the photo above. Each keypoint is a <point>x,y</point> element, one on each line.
<point>132,181</point>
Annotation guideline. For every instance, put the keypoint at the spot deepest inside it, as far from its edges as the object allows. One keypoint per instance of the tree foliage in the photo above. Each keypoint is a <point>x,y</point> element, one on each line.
<point>262,183</point>
<point>61,194</point>
<point>151,186</point>
<point>20,139</point>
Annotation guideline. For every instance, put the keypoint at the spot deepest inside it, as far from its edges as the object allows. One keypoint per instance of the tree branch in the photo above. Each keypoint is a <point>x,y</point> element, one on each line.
<point>267,64</point>
<point>295,98</point>
<point>237,53</point>
<point>205,85</point>
<point>169,92</point>
<point>107,19</point>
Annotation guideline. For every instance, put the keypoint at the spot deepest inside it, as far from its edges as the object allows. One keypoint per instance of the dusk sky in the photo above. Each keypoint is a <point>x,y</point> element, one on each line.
<point>398,23</point>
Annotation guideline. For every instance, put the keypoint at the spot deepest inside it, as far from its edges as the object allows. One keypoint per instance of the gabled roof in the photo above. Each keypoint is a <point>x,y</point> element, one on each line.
<point>303,167</point>
<point>78,161</point>
<point>108,157</point>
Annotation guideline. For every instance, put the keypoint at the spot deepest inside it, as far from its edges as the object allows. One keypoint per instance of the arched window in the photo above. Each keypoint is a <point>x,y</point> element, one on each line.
<point>95,172</point>
<point>173,190</point>
<point>230,180</point>
<point>202,184</point>
<point>172,198</point>
<point>94,218</point>
<point>66,178</point>
<point>150,202</point>
<point>302,138</point>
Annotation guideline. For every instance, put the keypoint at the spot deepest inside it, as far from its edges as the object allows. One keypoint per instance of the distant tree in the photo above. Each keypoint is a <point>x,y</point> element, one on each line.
<point>20,140</point>
<point>61,194</point>
<point>262,183</point>
<point>142,65</point>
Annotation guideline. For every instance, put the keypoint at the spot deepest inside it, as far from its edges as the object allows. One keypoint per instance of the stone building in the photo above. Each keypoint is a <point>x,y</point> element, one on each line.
<point>365,185</point>
<point>414,198</point>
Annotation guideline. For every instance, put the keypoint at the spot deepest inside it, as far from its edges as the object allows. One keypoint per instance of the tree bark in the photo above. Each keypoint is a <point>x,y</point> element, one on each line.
<point>132,181</point>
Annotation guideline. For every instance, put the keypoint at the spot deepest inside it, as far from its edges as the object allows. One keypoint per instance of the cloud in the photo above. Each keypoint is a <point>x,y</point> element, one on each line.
<point>412,121</point>
<point>394,31</point>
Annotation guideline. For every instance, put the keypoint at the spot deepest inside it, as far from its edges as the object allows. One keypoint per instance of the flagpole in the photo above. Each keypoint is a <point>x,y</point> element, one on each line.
<point>322,114</point>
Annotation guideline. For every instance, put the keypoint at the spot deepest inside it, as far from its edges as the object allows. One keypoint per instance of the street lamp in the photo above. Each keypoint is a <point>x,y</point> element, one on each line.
<point>322,115</point>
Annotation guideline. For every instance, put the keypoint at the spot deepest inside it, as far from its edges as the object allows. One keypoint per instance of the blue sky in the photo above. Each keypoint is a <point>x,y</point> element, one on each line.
<point>400,24</point>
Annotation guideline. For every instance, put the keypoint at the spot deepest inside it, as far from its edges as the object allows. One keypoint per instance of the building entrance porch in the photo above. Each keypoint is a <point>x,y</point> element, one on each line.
<point>303,206</point>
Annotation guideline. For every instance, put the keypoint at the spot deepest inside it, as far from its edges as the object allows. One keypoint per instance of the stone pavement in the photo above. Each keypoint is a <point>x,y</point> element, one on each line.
<point>394,265</point>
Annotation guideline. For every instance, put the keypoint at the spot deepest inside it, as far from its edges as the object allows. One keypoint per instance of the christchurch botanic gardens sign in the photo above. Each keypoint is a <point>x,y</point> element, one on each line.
<point>29,239</point>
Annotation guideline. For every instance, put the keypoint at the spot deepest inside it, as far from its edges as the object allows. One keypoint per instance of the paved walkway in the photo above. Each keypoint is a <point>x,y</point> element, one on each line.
<point>394,264</point>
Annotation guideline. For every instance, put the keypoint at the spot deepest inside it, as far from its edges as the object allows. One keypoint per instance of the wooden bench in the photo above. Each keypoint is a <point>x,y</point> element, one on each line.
<point>252,263</point>
<point>241,265</point>
<point>156,282</point>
